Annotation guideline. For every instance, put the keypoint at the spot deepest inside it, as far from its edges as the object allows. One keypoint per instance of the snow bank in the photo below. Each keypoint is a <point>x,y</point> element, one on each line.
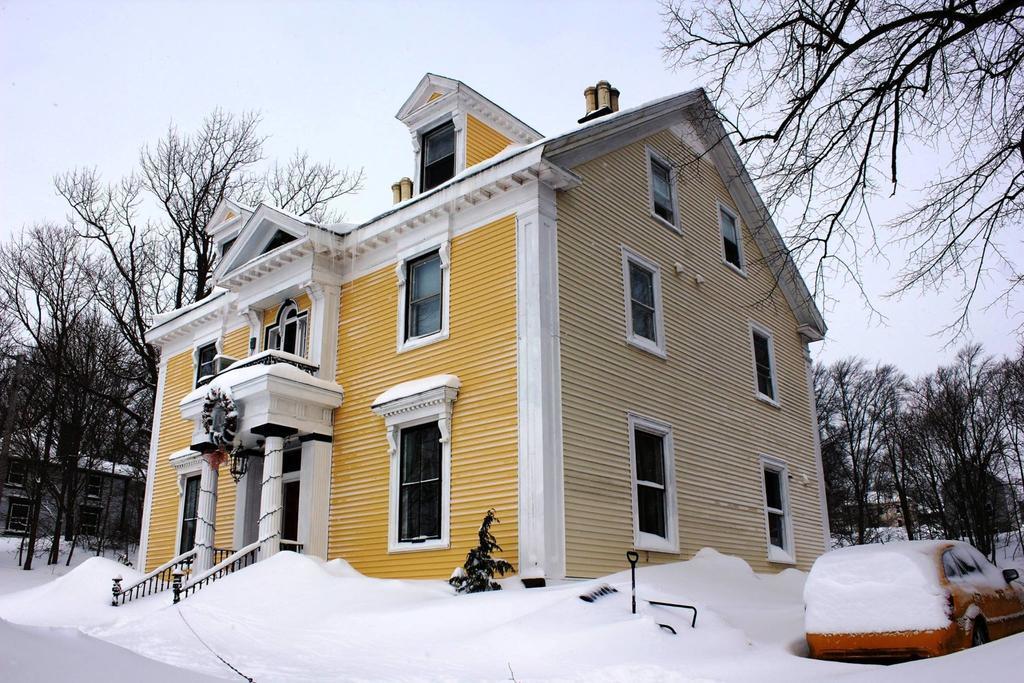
<point>65,654</point>
<point>877,588</point>
<point>79,598</point>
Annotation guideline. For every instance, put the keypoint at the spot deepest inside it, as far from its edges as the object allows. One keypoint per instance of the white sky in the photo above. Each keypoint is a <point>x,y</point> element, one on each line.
<point>88,83</point>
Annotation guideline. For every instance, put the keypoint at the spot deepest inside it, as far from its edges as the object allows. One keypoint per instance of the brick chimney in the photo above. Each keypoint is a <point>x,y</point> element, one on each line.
<point>601,99</point>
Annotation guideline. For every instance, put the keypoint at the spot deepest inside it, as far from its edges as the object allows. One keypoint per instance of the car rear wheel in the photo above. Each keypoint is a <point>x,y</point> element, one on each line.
<point>979,634</point>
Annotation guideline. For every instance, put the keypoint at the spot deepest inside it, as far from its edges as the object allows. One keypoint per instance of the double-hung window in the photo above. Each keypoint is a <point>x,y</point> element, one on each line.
<point>424,294</point>
<point>93,486</point>
<point>15,472</point>
<point>206,357</point>
<point>776,509</point>
<point>764,364</point>
<point>654,494</point>
<point>732,250</point>
<point>662,188</point>
<point>189,514</point>
<point>88,520</point>
<point>17,514</point>
<point>438,149</point>
<point>644,326</point>
<point>419,503</point>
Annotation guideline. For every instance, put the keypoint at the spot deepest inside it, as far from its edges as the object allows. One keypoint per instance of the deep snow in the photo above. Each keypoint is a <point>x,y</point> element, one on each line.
<point>295,618</point>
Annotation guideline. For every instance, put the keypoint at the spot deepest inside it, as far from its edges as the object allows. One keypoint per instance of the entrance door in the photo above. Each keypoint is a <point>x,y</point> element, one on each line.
<point>290,523</point>
<point>189,513</point>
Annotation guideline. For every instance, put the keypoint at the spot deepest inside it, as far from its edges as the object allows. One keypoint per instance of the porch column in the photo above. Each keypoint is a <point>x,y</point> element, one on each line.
<point>314,494</point>
<point>271,510</point>
<point>206,522</point>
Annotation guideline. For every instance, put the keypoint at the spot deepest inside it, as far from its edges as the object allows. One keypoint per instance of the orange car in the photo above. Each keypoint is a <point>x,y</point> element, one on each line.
<point>908,599</point>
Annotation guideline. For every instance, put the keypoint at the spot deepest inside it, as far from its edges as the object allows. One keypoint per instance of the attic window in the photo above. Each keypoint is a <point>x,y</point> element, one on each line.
<point>227,245</point>
<point>438,149</point>
<point>280,237</point>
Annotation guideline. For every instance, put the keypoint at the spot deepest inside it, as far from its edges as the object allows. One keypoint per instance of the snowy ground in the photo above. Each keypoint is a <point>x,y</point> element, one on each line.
<point>294,618</point>
<point>13,578</point>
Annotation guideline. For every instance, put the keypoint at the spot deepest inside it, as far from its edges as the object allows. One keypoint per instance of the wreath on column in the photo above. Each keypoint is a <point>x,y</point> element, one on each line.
<point>222,435</point>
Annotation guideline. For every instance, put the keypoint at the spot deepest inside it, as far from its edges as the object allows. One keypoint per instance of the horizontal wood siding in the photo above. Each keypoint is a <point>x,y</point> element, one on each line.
<point>481,350</point>
<point>175,434</point>
<point>482,141</point>
<point>704,389</point>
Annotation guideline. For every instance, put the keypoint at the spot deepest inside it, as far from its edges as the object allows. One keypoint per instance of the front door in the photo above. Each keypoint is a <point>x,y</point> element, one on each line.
<point>290,524</point>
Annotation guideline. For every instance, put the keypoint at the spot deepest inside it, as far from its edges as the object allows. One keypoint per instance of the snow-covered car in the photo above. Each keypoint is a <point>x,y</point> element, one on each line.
<point>908,599</point>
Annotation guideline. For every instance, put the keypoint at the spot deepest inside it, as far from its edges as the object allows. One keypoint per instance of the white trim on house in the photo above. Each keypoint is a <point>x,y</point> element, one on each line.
<point>776,554</point>
<point>652,157</point>
<point>752,328</point>
<point>819,468</point>
<point>647,541</point>
<point>741,269</point>
<point>539,400</point>
<point>657,346</point>
<point>442,245</point>
<point>154,442</point>
<point>186,463</point>
<point>431,405</point>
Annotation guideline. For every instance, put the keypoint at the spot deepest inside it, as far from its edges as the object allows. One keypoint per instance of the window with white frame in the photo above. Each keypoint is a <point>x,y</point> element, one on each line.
<point>654,491</point>
<point>206,361</point>
<point>18,514</point>
<point>764,363</point>
<point>732,248</point>
<point>289,332</point>
<point>776,510</point>
<point>644,320</point>
<point>424,281</point>
<point>438,156</point>
<point>417,418</point>
<point>662,189</point>
<point>189,514</point>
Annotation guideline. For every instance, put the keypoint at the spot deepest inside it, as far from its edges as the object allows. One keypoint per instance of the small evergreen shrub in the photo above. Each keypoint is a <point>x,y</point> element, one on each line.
<point>477,574</point>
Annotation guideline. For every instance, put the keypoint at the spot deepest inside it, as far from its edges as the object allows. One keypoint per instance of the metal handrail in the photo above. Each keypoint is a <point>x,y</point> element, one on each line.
<point>240,559</point>
<point>260,359</point>
<point>221,554</point>
<point>293,546</point>
<point>160,579</point>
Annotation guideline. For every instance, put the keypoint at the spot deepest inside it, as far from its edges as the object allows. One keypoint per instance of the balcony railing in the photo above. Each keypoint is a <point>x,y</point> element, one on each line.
<point>293,546</point>
<point>264,358</point>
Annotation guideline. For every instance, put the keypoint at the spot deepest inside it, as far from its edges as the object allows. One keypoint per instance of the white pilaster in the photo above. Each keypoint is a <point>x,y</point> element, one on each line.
<point>813,402</point>
<point>314,497</point>
<point>541,506</point>
<point>206,522</point>
<point>323,339</point>
<point>271,509</point>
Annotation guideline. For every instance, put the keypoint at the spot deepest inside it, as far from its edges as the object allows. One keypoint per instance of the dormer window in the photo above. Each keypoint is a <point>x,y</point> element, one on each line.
<point>280,238</point>
<point>288,334</point>
<point>438,149</point>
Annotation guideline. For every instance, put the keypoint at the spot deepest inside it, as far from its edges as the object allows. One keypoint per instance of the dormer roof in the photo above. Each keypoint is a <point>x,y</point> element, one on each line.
<point>228,217</point>
<point>265,227</point>
<point>436,96</point>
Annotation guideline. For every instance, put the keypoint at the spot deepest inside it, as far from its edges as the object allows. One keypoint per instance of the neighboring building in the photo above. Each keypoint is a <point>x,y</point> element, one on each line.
<point>108,503</point>
<point>584,332</point>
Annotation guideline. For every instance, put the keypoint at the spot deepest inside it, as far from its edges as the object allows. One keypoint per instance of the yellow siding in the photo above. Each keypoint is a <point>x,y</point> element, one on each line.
<point>481,350</point>
<point>482,141</point>
<point>433,96</point>
<point>175,434</point>
<point>704,389</point>
<point>236,343</point>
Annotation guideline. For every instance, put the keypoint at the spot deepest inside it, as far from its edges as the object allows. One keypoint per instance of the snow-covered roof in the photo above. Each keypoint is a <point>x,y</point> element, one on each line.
<point>415,387</point>
<point>107,467</point>
<point>164,318</point>
<point>247,369</point>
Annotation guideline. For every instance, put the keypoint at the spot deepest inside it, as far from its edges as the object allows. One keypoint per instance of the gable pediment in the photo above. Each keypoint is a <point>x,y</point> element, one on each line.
<point>266,229</point>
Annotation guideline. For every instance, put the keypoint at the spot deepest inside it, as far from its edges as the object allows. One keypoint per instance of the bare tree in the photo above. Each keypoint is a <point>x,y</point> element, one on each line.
<point>828,99</point>
<point>152,224</point>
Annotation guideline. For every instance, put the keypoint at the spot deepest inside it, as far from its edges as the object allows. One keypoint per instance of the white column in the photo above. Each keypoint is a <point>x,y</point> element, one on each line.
<point>314,497</point>
<point>206,522</point>
<point>271,509</point>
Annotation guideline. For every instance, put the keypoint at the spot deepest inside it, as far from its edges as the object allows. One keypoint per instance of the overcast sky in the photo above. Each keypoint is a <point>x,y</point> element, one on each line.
<point>88,83</point>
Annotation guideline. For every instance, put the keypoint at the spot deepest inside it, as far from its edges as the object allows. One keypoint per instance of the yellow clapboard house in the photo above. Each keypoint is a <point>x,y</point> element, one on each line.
<point>598,334</point>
